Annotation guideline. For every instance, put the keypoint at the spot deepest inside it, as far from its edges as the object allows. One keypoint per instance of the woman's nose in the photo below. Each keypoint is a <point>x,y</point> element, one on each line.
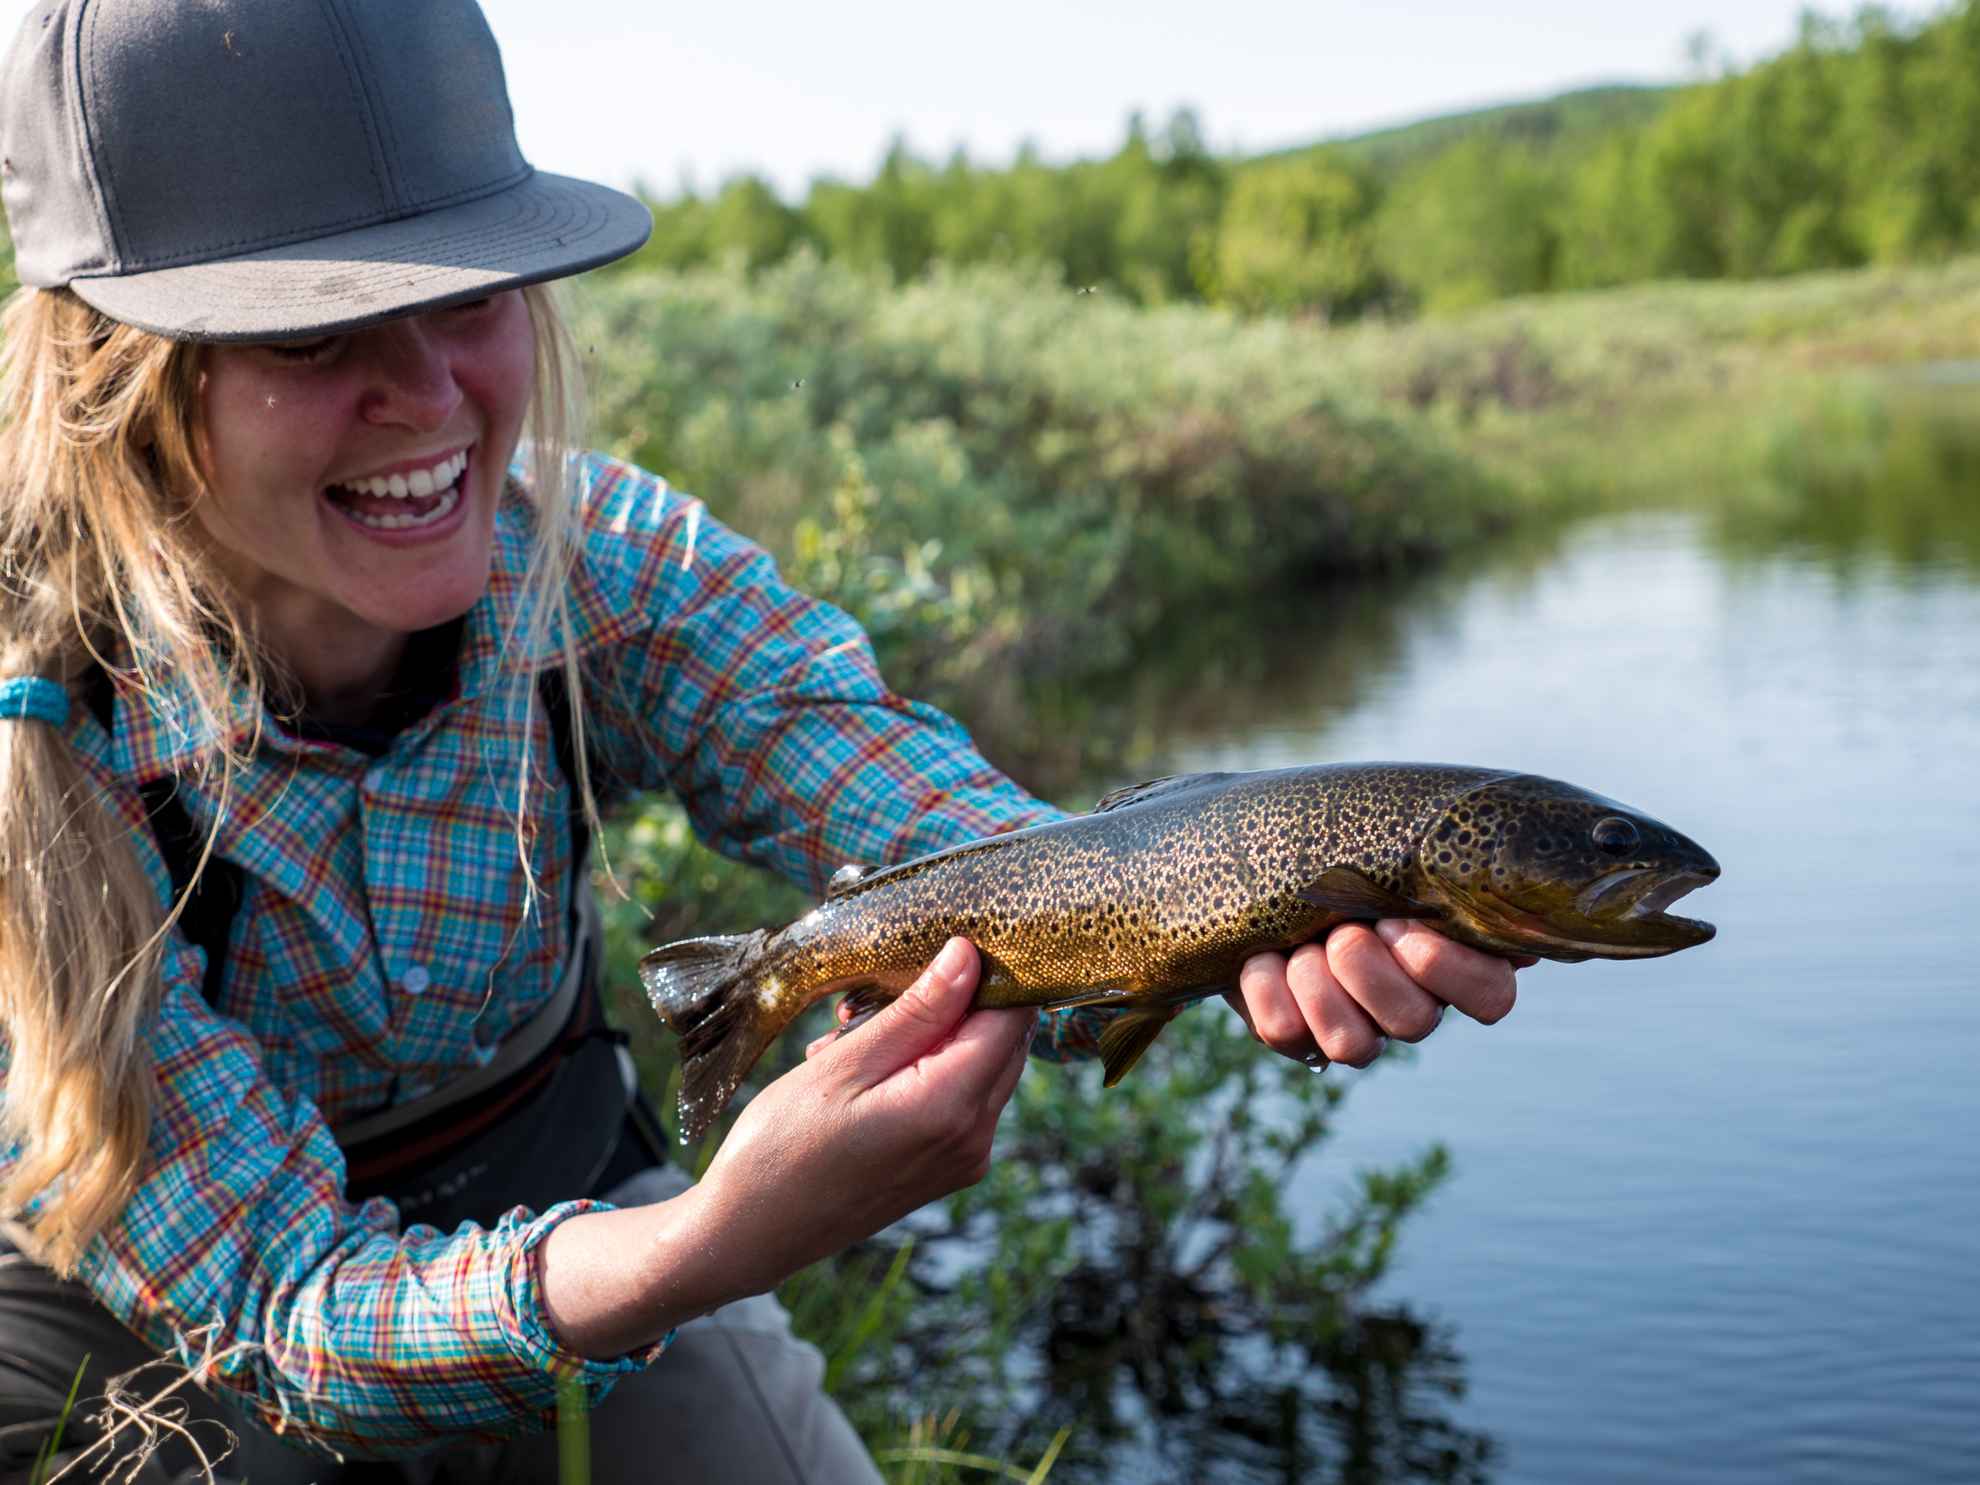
<point>412,380</point>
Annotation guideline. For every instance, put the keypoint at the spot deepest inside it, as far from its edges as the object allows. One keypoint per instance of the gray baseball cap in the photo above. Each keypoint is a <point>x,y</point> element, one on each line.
<point>257,169</point>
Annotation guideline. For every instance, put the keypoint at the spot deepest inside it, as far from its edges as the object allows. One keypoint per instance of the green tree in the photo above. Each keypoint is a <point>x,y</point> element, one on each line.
<point>889,224</point>
<point>749,219</point>
<point>1604,220</point>
<point>1297,235</point>
<point>680,236</point>
<point>1477,221</point>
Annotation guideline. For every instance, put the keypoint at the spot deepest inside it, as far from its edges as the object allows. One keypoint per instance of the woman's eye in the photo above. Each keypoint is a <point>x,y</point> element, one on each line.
<point>304,350</point>
<point>470,306</point>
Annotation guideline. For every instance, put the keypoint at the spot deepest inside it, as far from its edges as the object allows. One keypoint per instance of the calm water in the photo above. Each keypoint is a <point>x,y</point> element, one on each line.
<point>1714,1217</point>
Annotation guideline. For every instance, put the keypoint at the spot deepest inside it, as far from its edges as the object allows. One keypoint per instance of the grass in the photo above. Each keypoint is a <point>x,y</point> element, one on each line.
<point>1673,393</point>
<point>136,1425</point>
<point>52,1445</point>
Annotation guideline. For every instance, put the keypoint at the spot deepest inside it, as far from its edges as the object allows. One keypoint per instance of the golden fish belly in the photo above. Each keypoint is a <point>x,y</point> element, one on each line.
<point>1088,945</point>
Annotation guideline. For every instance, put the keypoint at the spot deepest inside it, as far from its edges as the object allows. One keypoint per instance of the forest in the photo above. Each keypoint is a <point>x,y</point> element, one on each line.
<point>1859,144</point>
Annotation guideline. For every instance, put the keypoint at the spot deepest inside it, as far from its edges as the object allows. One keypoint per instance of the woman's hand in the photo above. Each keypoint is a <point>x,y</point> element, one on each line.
<point>871,1127</point>
<point>1336,1001</point>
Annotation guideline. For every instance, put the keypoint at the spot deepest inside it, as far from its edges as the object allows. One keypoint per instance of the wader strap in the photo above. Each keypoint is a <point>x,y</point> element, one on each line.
<point>519,1051</point>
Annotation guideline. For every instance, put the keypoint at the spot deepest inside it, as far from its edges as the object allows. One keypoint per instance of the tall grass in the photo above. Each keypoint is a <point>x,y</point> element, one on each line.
<point>1002,477</point>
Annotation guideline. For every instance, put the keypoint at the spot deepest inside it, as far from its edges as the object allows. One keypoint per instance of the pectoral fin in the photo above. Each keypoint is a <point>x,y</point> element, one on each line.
<point>1343,890</point>
<point>862,1004</point>
<point>1130,1034</point>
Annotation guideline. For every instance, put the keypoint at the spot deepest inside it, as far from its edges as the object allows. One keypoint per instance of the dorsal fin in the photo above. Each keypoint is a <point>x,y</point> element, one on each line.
<point>846,878</point>
<point>1152,789</point>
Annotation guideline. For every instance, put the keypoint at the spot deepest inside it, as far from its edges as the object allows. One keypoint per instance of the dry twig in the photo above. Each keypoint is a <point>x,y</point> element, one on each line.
<point>154,1419</point>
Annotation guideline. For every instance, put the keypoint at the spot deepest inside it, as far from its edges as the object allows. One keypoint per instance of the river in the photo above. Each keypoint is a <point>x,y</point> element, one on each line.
<point>1713,1217</point>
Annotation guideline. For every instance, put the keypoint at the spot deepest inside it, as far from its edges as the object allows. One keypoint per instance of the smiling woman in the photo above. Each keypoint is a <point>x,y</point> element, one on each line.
<point>320,646</point>
<point>352,483</point>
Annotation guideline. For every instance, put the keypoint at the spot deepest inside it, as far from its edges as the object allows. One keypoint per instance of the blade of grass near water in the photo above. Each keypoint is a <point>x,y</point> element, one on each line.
<point>573,1434</point>
<point>53,1445</point>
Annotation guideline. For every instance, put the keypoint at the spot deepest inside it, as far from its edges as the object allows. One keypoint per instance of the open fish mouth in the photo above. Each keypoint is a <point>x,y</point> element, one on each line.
<point>1640,895</point>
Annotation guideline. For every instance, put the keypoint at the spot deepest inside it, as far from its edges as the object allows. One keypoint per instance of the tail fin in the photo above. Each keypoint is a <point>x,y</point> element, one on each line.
<point>702,989</point>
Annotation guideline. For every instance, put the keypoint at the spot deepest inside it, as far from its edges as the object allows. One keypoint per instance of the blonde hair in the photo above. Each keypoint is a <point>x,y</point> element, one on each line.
<point>102,566</point>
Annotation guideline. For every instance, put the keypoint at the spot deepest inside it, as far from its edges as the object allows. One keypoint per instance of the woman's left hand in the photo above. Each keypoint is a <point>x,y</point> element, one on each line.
<point>1337,1000</point>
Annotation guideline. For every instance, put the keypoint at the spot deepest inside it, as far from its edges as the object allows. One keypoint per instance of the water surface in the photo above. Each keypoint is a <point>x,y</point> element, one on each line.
<point>1714,1216</point>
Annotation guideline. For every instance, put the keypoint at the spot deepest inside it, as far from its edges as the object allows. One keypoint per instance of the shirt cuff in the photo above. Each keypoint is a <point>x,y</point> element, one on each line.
<point>527,1327</point>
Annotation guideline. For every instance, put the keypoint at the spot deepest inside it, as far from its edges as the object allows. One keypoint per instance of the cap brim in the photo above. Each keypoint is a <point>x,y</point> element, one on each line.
<point>548,226</point>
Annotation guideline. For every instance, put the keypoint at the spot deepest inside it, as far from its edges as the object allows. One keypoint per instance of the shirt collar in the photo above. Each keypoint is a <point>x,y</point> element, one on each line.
<point>159,734</point>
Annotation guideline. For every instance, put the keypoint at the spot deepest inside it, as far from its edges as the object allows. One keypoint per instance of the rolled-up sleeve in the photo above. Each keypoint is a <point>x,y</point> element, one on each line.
<point>239,1254</point>
<point>763,709</point>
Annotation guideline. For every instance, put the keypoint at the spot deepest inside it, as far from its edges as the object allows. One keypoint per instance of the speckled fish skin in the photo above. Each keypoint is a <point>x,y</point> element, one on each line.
<point>1160,895</point>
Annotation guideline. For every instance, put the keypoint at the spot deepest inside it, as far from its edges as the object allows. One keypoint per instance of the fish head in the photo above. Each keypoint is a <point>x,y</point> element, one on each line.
<point>1526,865</point>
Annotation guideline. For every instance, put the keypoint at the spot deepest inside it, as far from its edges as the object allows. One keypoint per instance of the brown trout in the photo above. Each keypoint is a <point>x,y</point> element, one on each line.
<point>1156,898</point>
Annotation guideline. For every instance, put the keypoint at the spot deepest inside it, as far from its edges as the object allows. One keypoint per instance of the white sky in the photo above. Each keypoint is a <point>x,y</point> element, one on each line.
<point>618,89</point>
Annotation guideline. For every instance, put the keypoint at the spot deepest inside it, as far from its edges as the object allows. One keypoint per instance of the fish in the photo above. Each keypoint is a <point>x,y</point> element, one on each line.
<point>1156,897</point>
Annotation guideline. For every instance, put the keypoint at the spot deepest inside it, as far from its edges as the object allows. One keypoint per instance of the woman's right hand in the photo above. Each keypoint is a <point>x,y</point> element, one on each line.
<point>871,1127</point>
<point>874,1125</point>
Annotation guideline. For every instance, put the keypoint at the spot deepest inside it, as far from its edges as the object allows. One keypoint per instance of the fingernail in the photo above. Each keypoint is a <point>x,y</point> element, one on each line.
<point>949,964</point>
<point>1388,930</point>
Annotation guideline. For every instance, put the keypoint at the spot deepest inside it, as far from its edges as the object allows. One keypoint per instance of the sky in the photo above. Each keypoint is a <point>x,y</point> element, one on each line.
<point>626,90</point>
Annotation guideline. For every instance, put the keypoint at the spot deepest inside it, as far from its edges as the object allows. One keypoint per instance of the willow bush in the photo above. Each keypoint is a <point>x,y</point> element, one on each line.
<point>1009,480</point>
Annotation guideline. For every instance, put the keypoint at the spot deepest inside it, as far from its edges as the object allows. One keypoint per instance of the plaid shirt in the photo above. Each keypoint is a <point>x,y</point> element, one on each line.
<point>383,947</point>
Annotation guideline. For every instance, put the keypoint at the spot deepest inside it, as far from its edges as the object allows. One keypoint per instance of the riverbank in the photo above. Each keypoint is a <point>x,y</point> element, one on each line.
<point>1022,489</point>
<point>1064,520</point>
<point>1011,483</point>
<point>1753,402</point>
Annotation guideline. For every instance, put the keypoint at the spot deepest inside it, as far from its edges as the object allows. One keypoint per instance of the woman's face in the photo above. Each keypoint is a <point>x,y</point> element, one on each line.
<point>352,480</point>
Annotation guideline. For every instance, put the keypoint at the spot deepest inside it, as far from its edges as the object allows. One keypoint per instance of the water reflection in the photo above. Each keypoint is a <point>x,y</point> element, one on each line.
<point>1134,1256</point>
<point>1247,668</point>
<point>1876,472</point>
<point>1368,1400</point>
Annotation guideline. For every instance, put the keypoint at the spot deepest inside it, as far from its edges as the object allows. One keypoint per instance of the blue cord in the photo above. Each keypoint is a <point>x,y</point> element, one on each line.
<point>35,698</point>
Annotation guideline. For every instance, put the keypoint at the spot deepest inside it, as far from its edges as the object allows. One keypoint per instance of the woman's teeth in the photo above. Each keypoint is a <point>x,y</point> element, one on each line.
<point>358,498</point>
<point>445,507</point>
<point>419,482</point>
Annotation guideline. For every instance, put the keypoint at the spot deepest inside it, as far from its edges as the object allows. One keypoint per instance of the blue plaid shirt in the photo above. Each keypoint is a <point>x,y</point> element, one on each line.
<point>383,948</point>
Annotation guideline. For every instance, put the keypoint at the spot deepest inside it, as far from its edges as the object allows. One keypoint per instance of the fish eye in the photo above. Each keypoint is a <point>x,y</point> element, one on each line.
<point>1616,835</point>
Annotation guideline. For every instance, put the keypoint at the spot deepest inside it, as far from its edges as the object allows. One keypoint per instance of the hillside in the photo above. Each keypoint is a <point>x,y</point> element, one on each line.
<point>1583,114</point>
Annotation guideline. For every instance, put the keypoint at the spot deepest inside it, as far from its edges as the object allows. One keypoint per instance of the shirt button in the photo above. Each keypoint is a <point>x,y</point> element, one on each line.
<point>416,980</point>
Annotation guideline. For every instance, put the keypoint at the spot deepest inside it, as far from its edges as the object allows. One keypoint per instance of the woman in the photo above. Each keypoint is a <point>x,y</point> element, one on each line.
<point>309,690</point>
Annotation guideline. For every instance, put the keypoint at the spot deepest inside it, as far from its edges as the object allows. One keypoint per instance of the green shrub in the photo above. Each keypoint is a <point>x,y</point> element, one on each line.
<point>1003,477</point>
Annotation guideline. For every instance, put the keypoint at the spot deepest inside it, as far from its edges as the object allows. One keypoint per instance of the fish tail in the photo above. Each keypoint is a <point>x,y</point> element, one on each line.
<point>704,990</point>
